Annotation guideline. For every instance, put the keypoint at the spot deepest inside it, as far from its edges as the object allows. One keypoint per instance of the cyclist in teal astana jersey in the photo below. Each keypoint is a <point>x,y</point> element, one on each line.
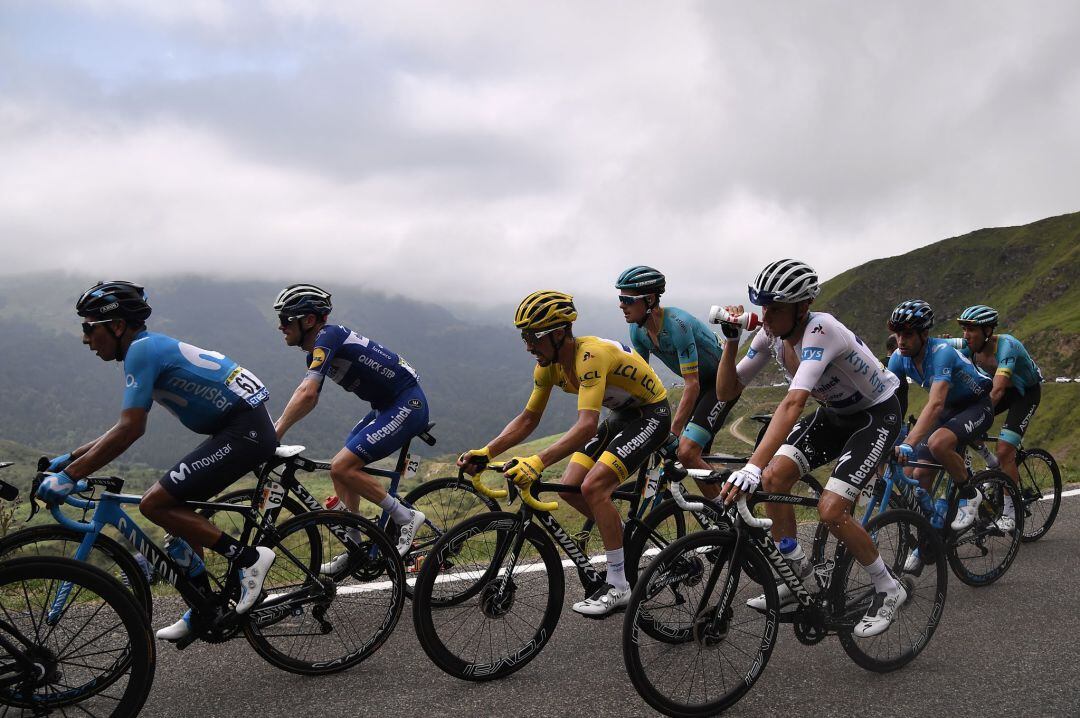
<point>958,410</point>
<point>210,394</point>
<point>1017,380</point>
<point>687,347</point>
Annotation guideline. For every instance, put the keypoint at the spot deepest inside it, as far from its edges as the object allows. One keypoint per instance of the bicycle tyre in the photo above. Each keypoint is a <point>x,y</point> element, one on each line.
<point>355,610</point>
<point>896,533</point>
<point>663,526</point>
<point>737,647</point>
<point>108,554</point>
<point>1038,518</point>
<point>445,502</point>
<point>120,636</point>
<point>474,551</point>
<point>969,549</point>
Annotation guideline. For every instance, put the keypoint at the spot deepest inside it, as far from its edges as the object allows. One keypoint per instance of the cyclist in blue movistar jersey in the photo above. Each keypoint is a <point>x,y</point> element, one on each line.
<point>687,347</point>
<point>210,394</point>
<point>372,372</point>
<point>1017,383</point>
<point>958,409</point>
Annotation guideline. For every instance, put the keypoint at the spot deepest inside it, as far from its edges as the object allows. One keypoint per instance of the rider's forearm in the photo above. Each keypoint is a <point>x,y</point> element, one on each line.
<point>571,441</point>
<point>101,451</point>
<point>691,392</point>
<point>514,433</point>
<point>727,380</point>
<point>928,419</point>
<point>300,405</point>
<point>783,420</point>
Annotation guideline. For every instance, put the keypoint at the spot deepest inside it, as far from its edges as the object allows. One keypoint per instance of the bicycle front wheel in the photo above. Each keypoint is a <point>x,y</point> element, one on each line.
<point>109,555</point>
<point>896,533</point>
<point>1040,491</point>
<point>691,644</point>
<point>313,623</point>
<point>983,552</point>
<point>488,597</point>
<point>94,644</point>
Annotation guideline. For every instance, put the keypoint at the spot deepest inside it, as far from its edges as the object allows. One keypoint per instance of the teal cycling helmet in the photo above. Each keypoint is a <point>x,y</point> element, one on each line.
<point>979,315</point>
<point>642,278</point>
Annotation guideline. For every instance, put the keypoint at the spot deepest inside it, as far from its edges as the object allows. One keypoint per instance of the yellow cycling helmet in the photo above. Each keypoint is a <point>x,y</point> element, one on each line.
<point>545,310</point>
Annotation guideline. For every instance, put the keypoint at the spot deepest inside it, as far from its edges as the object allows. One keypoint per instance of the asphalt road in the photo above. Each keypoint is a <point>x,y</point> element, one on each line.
<point>1006,650</point>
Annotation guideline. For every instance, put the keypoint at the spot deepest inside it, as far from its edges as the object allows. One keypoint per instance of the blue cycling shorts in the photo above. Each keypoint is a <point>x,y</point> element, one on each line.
<point>384,431</point>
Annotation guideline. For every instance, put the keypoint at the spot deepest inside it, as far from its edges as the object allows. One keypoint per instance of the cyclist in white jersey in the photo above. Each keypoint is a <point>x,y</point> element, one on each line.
<point>858,420</point>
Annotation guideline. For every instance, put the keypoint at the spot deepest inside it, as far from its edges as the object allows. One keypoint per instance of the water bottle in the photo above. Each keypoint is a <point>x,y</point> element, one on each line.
<point>186,558</point>
<point>333,503</point>
<point>987,455</point>
<point>941,507</point>
<point>925,502</point>
<point>747,320</point>
<point>792,551</point>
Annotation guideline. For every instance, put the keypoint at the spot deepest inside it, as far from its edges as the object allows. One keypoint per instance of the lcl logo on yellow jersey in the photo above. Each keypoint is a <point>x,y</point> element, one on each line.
<point>318,356</point>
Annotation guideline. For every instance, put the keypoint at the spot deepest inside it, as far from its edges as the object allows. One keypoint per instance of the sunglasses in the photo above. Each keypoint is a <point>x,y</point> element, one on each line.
<point>285,320</point>
<point>630,299</point>
<point>88,327</point>
<point>534,337</point>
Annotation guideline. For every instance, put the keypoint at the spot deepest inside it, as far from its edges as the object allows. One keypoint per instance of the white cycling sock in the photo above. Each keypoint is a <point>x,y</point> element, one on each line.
<point>616,569</point>
<point>879,574</point>
<point>399,514</point>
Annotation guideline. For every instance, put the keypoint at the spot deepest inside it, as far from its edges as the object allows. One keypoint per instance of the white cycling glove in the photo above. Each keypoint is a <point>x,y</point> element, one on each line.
<point>747,479</point>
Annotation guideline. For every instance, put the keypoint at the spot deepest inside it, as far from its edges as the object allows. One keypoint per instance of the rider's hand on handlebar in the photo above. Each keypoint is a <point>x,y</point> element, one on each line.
<point>54,488</point>
<point>744,481</point>
<point>904,453</point>
<point>524,470</point>
<point>59,463</point>
<point>474,461</point>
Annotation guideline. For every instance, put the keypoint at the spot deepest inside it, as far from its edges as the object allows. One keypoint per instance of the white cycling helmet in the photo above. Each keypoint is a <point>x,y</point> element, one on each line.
<point>787,281</point>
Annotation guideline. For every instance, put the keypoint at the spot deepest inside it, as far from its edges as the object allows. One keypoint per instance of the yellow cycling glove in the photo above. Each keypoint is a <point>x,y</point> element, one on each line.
<point>479,457</point>
<point>524,470</point>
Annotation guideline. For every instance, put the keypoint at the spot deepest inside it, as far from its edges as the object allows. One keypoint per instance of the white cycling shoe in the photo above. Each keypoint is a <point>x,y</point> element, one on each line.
<point>606,599</point>
<point>335,565</point>
<point>788,602</point>
<point>882,612</point>
<point>178,630</point>
<point>967,512</point>
<point>408,532</point>
<point>252,577</point>
<point>914,562</point>
<point>1005,523</point>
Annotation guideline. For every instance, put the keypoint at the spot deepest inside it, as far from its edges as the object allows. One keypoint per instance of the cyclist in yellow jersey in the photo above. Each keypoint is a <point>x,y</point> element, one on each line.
<point>602,373</point>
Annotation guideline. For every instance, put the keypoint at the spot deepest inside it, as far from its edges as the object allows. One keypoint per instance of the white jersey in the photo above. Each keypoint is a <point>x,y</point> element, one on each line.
<point>830,362</point>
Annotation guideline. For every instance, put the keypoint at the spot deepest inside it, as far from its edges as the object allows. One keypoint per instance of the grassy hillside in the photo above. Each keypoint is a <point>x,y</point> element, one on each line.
<point>1027,273</point>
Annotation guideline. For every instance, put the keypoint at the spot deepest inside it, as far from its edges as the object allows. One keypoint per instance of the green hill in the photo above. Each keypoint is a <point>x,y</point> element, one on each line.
<point>1027,273</point>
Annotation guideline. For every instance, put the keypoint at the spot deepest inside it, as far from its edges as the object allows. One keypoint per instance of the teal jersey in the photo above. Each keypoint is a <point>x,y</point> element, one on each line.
<point>1013,361</point>
<point>686,344</point>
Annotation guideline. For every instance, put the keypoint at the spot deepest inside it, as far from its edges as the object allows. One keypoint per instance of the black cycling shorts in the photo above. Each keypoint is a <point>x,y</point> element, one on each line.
<point>1021,408</point>
<point>969,423</point>
<point>247,440</point>
<point>862,441</point>
<point>626,437</point>
<point>709,415</point>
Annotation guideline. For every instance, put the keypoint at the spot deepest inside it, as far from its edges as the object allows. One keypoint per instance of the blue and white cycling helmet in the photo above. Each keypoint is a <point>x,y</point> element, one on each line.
<point>787,281</point>
<point>979,315</point>
<point>642,278</point>
<point>912,314</point>
<point>301,299</point>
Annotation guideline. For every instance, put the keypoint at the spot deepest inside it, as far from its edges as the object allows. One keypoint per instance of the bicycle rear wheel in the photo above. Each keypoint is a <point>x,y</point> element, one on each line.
<point>982,553</point>
<point>1040,491</point>
<point>691,645</point>
<point>445,503</point>
<point>109,555</point>
<point>315,624</point>
<point>475,619</point>
<point>896,534</point>
<point>95,648</point>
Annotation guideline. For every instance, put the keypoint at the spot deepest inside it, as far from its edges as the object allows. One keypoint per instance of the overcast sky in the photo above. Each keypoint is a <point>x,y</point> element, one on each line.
<point>483,150</point>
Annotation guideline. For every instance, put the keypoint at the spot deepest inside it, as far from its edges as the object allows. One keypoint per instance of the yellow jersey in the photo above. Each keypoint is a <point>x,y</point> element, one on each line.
<point>606,373</point>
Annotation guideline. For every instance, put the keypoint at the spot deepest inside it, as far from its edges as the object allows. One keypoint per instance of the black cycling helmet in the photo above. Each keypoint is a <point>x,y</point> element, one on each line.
<point>114,300</point>
<point>912,314</point>
<point>303,299</point>
<point>645,279</point>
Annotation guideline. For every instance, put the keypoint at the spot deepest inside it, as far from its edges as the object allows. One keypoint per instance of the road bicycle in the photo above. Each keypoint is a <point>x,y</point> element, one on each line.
<point>1040,489</point>
<point>693,647</point>
<point>308,623</point>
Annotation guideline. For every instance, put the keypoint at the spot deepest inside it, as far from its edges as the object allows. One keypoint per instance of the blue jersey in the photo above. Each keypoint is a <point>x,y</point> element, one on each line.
<point>942,362</point>
<point>686,344</point>
<point>359,365</point>
<point>1013,361</point>
<point>199,386</point>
